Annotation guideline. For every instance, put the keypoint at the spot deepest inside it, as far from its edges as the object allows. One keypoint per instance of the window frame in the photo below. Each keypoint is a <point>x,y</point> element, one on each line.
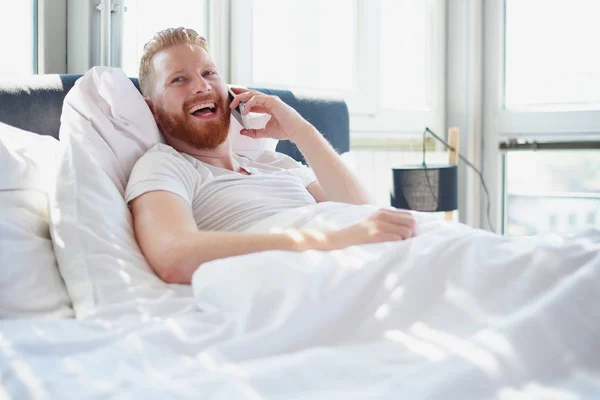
<point>36,60</point>
<point>35,19</point>
<point>502,125</point>
<point>535,123</point>
<point>242,55</point>
<point>83,30</point>
<point>513,146</point>
<point>411,122</point>
<point>118,27</point>
<point>50,42</point>
<point>366,115</point>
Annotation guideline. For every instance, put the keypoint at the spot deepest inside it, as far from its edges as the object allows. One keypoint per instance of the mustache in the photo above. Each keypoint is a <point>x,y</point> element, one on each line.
<point>202,98</point>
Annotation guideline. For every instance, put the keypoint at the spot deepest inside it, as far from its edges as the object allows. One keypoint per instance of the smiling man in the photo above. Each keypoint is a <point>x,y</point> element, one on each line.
<point>193,198</point>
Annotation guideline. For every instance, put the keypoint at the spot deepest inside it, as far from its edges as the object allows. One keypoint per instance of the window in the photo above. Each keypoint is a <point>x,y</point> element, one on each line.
<point>144,18</point>
<point>551,186</point>
<point>18,22</point>
<point>385,58</point>
<point>322,57</point>
<point>541,85</point>
<point>312,47</point>
<point>551,76</point>
<point>405,60</point>
<point>553,66</point>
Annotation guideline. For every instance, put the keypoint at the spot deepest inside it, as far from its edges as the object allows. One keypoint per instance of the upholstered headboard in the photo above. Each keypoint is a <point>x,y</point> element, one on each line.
<point>35,104</point>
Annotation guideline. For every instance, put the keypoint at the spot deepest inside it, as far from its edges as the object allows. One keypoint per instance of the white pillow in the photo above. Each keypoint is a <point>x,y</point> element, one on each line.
<point>30,283</point>
<point>102,134</point>
<point>118,111</point>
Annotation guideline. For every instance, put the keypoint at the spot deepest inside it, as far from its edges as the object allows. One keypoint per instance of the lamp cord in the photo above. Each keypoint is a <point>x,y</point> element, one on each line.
<point>487,194</point>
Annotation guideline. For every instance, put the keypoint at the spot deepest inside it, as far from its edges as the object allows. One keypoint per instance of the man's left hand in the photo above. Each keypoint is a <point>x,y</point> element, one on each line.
<point>285,122</point>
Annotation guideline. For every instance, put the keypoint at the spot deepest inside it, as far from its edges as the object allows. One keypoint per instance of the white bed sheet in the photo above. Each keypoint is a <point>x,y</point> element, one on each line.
<point>453,313</point>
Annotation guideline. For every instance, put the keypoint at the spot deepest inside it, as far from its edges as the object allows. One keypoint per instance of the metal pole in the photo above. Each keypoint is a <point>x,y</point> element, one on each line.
<point>105,45</point>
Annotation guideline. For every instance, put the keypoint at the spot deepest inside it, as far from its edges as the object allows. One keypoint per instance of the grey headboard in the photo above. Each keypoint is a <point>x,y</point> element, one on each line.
<point>35,104</point>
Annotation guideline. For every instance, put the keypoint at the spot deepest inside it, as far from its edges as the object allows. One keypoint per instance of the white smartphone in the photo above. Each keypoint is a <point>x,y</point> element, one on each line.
<point>238,112</point>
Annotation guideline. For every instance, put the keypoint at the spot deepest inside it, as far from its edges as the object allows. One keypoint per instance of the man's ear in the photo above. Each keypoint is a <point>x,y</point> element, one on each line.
<point>151,107</point>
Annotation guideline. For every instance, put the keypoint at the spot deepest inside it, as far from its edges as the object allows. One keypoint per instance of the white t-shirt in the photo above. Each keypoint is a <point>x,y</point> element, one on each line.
<point>224,200</point>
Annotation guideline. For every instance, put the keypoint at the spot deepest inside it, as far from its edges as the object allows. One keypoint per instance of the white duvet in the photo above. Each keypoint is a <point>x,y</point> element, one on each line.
<point>453,313</point>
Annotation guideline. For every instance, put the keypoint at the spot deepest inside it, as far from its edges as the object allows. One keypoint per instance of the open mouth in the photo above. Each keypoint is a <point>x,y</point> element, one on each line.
<point>205,110</point>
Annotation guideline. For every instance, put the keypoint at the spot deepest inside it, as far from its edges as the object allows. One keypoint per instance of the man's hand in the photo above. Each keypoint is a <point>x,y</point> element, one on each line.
<point>385,225</point>
<point>285,122</point>
<point>335,181</point>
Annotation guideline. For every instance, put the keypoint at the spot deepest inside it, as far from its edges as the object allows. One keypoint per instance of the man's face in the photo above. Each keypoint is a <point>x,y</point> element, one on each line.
<point>189,98</point>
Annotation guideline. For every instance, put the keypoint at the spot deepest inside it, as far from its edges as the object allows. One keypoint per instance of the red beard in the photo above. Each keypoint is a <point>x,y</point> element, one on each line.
<point>207,135</point>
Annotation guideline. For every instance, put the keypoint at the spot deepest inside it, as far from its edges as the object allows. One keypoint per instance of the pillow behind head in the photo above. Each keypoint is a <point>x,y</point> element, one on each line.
<point>106,99</point>
<point>30,283</point>
<point>103,133</point>
<point>106,126</point>
<point>106,102</point>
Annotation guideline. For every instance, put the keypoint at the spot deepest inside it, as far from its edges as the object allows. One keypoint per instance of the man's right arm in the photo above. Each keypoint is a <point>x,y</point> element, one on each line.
<point>171,242</point>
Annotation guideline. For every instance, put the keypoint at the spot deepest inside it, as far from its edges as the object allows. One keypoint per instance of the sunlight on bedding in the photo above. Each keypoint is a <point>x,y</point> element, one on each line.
<point>72,366</point>
<point>344,259</point>
<point>207,361</point>
<point>104,323</point>
<point>6,347</point>
<point>40,333</point>
<point>390,281</point>
<point>397,294</point>
<point>238,372</point>
<point>326,224</point>
<point>587,244</point>
<point>496,343</point>
<point>126,277</point>
<point>176,329</point>
<point>382,312</point>
<point>19,369</point>
<point>134,342</point>
<point>466,303</point>
<point>4,394</point>
<point>144,315</point>
<point>462,348</point>
<point>420,347</point>
<point>56,238</point>
<point>534,390</point>
<point>25,374</point>
<point>80,374</point>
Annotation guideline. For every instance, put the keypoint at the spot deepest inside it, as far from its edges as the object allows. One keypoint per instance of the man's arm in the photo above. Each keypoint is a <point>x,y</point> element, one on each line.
<point>167,234</point>
<point>171,242</point>
<point>335,180</point>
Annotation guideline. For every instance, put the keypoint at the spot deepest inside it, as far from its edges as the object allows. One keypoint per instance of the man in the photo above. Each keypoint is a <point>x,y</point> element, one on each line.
<point>192,198</point>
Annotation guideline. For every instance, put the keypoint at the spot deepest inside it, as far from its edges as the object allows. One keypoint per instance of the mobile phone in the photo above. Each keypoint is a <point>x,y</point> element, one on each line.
<point>238,112</point>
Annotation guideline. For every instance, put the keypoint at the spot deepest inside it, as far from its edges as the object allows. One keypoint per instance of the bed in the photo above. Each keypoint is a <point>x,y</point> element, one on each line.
<point>453,313</point>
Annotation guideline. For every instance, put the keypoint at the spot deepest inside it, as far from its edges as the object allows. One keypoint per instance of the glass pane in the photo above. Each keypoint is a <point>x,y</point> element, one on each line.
<point>552,191</point>
<point>311,43</point>
<point>405,50</point>
<point>16,21</point>
<point>144,18</point>
<point>552,61</point>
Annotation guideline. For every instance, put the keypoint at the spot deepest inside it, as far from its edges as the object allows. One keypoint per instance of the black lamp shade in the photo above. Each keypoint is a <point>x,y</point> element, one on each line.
<point>425,188</point>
